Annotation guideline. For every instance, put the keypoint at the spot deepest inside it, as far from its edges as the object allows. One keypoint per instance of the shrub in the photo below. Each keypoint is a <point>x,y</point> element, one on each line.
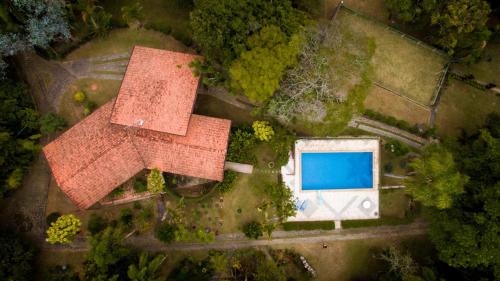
<point>117,191</point>
<point>126,217</point>
<point>89,107</point>
<point>156,181</point>
<point>241,145</point>
<point>63,229</point>
<point>52,217</point>
<point>51,122</point>
<point>282,143</point>
<point>140,185</point>
<point>163,28</point>
<point>144,219</point>
<point>401,124</point>
<point>137,205</point>
<point>96,224</point>
<point>79,97</point>
<point>166,233</point>
<point>262,130</point>
<point>228,182</point>
<point>253,230</point>
<point>388,168</point>
<point>397,147</point>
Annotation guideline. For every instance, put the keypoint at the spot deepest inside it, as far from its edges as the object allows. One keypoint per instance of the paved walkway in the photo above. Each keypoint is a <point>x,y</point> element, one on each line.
<point>238,167</point>
<point>237,240</point>
<point>385,130</point>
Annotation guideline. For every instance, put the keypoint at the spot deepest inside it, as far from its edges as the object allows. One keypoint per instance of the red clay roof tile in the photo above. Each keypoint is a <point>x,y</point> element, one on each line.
<point>157,92</point>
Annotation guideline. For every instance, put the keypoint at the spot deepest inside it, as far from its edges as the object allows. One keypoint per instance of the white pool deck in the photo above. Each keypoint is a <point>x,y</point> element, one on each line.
<point>333,204</point>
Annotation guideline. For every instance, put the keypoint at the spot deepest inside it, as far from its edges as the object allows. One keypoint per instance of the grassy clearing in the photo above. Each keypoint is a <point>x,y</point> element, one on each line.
<point>123,41</point>
<point>98,91</point>
<point>354,260</point>
<point>399,63</point>
<point>488,69</point>
<point>464,107</point>
<point>389,104</point>
<point>160,13</point>
<point>374,8</point>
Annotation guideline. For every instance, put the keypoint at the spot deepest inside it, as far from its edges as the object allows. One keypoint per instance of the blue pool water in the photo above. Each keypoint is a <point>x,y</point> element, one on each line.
<point>337,170</point>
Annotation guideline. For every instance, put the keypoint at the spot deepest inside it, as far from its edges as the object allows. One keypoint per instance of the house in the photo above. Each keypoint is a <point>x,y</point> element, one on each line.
<point>149,124</point>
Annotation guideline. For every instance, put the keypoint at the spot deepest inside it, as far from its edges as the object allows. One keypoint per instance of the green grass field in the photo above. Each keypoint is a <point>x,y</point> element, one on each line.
<point>399,64</point>
<point>464,107</point>
<point>488,69</point>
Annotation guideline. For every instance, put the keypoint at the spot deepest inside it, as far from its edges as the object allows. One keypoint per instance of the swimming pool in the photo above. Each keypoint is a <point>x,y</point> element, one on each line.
<point>336,170</point>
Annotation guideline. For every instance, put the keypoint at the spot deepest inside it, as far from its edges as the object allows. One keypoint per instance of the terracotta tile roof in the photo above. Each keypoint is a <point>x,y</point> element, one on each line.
<point>158,91</point>
<point>93,157</point>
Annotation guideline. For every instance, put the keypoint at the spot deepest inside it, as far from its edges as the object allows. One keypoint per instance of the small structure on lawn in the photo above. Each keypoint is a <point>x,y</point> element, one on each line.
<point>149,125</point>
<point>334,179</point>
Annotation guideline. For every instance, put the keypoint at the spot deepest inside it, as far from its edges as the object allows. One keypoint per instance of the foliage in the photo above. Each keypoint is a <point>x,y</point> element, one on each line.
<point>221,28</point>
<point>118,191</point>
<point>253,230</point>
<point>18,134</point>
<point>144,218</point>
<point>241,146</point>
<point>466,235</point>
<point>146,269</point>
<point>227,183</point>
<point>64,229</point>
<point>262,130</point>
<point>52,217</point>
<point>89,18</point>
<point>79,97</point>
<point>445,21</point>
<point>183,234</point>
<point>210,76</point>
<point>88,107</point>
<point>281,144</point>
<point>51,122</point>
<point>436,180</point>
<point>59,273</point>
<point>107,255</point>
<point>166,233</point>
<point>156,181</point>
<point>126,217</point>
<point>282,199</point>
<point>191,270</point>
<point>258,71</point>
<point>132,12</point>
<point>401,124</point>
<point>31,24</point>
<point>96,224</point>
<point>312,225</point>
<point>396,147</point>
<point>140,185</point>
<point>16,258</point>
<point>400,264</point>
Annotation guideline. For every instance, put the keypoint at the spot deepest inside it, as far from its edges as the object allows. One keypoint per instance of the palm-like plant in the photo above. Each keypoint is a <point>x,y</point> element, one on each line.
<point>146,269</point>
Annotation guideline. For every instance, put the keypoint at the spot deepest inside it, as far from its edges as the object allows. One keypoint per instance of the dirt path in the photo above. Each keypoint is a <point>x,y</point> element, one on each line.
<point>237,240</point>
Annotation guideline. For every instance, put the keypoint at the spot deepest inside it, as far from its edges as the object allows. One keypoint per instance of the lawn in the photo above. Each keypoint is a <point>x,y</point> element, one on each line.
<point>373,8</point>
<point>123,40</point>
<point>389,104</point>
<point>464,107</point>
<point>399,63</point>
<point>355,260</point>
<point>488,69</point>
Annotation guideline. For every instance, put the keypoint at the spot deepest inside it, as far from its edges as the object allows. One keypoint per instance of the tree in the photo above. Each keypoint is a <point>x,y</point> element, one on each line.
<point>436,181</point>
<point>268,270</point>
<point>458,26</point>
<point>32,23</point>
<point>401,264</point>
<point>96,224</point>
<point>106,255</point>
<point>16,257</point>
<point>241,146</point>
<point>253,230</point>
<point>156,181</point>
<point>262,130</point>
<point>51,122</point>
<point>146,269</point>
<point>221,28</point>
<point>466,235</point>
<point>132,12</point>
<point>282,199</point>
<point>258,71</point>
<point>166,233</point>
<point>64,229</point>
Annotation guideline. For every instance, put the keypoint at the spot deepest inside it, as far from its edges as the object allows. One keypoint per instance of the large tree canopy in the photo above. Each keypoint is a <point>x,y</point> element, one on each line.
<point>436,180</point>
<point>16,258</point>
<point>221,28</point>
<point>458,26</point>
<point>466,235</point>
<point>258,71</point>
